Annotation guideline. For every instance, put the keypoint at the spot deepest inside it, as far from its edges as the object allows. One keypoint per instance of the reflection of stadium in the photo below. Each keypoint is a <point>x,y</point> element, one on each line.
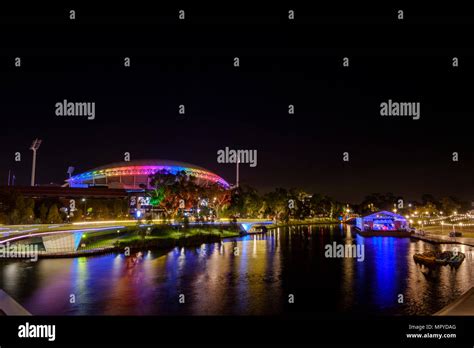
<point>135,174</point>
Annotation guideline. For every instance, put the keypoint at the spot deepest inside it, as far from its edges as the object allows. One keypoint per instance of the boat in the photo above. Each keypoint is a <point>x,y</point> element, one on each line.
<point>456,259</point>
<point>431,258</point>
<point>427,258</point>
<point>443,257</point>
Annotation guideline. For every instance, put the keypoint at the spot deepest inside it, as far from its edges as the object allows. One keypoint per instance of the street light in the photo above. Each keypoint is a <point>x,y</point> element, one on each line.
<point>34,147</point>
<point>85,211</point>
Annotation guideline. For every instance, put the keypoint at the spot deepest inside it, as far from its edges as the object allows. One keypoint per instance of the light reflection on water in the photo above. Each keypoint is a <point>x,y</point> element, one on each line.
<point>249,275</point>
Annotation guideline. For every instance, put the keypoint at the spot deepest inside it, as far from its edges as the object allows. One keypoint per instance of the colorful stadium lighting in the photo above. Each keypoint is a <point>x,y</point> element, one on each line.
<point>137,172</point>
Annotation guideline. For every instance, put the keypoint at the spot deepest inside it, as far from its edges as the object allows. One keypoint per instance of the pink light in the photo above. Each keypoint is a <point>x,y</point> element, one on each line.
<point>23,236</point>
<point>148,170</point>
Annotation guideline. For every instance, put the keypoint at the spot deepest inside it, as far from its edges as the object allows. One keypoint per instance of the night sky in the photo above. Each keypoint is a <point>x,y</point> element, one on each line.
<point>282,62</point>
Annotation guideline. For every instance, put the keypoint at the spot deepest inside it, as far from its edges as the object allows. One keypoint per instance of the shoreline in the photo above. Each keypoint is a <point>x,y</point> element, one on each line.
<point>166,243</point>
<point>303,223</point>
<point>197,240</point>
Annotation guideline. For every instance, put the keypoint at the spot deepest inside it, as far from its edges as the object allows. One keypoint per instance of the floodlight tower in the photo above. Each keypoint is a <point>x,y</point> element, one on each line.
<point>70,170</point>
<point>34,147</point>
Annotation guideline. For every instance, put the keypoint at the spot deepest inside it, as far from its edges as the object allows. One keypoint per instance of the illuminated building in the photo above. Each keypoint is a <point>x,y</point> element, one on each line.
<point>382,221</point>
<point>136,174</point>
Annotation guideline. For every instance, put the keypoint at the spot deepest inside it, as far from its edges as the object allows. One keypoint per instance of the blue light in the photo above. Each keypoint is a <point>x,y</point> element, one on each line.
<point>246,227</point>
<point>77,239</point>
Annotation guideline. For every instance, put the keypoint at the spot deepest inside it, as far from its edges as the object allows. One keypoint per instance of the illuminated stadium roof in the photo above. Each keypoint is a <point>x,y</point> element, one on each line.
<point>133,174</point>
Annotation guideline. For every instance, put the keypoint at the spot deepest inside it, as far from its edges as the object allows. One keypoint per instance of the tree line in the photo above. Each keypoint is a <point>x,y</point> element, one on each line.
<point>16,209</point>
<point>174,194</point>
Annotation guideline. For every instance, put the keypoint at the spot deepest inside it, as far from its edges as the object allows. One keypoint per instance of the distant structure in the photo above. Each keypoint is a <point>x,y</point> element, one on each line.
<point>382,221</point>
<point>70,170</point>
<point>34,147</point>
<point>135,175</point>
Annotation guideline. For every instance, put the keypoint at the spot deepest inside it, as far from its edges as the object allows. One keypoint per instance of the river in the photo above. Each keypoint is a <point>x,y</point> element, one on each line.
<point>284,271</point>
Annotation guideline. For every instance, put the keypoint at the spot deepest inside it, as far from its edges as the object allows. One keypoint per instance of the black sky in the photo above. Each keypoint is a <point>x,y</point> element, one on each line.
<point>282,62</point>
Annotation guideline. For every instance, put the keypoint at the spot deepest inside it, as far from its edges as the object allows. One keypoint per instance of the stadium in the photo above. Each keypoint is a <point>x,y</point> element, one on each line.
<point>134,175</point>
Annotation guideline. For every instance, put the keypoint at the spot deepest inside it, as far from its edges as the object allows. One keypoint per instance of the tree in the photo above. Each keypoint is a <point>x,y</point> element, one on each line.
<point>43,213</point>
<point>277,203</point>
<point>172,190</point>
<point>53,215</point>
<point>218,197</point>
<point>427,198</point>
<point>378,201</point>
<point>118,208</point>
<point>18,214</point>
<point>15,217</point>
<point>29,212</point>
<point>166,188</point>
<point>77,215</point>
<point>301,207</point>
<point>244,201</point>
<point>449,205</point>
<point>3,218</point>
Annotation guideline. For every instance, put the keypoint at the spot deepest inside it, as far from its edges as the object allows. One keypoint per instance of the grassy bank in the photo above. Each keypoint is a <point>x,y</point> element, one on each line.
<point>159,237</point>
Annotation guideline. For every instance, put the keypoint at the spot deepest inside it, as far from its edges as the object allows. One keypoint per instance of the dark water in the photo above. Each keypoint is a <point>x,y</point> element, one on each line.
<point>268,268</point>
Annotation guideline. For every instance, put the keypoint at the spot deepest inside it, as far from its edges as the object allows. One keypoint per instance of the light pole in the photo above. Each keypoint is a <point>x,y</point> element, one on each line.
<point>34,147</point>
<point>85,211</point>
<point>70,170</point>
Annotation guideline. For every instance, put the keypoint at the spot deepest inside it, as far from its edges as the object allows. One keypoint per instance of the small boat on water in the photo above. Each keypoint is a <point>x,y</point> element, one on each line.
<point>457,259</point>
<point>431,258</point>
<point>427,258</point>
<point>443,257</point>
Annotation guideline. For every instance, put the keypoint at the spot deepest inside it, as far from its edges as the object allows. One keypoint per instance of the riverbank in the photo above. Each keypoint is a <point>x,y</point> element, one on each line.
<point>136,245</point>
<point>139,238</point>
<point>319,221</point>
<point>9,306</point>
<point>464,305</point>
<point>440,239</point>
<point>163,237</point>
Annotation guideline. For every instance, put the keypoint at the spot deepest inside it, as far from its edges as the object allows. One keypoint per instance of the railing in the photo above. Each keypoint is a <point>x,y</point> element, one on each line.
<point>8,306</point>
